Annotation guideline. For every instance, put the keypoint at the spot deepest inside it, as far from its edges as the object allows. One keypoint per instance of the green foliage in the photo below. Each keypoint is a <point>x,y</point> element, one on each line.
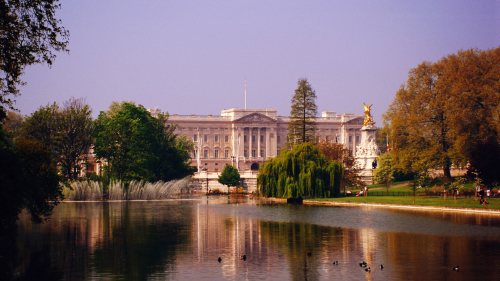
<point>302,171</point>
<point>338,152</point>
<point>384,173</point>
<point>29,34</point>
<point>230,176</point>
<point>28,180</point>
<point>456,185</point>
<point>137,146</point>
<point>303,114</point>
<point>66,131</point>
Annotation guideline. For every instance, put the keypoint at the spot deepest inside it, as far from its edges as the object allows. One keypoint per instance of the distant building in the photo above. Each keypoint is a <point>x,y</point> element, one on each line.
<point>246,138</point>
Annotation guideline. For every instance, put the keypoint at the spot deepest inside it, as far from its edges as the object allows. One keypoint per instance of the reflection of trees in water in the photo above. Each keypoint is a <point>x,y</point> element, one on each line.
<point>296,239</point>
<point>143,242</point>
<point>133,240</point>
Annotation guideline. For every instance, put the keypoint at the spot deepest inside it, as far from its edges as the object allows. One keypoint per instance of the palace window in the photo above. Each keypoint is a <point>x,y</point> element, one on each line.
<point>357,138</point>
<point>226,153</point>
<point>205,138</point>
<point>245,153</point>
<point>226,138</point>
<point>216,155</point>
<point>216,138</point>
<point>261,138</point>
<point>253,138</point>
<point>194,153</point>
<point>253,153</point>
<point>205,153</point>
<point>279,139</point>
<point>262,153</point>
<point>195,138</point>
<point>244,138</point>
<point>350,138</point>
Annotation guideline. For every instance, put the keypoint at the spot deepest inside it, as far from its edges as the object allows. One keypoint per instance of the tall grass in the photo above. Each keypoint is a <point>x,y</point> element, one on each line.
<point>136,190</point>
<point>84,190</point>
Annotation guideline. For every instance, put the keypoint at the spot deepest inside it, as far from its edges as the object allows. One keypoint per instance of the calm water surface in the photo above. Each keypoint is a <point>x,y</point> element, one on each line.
<point>182,240</point>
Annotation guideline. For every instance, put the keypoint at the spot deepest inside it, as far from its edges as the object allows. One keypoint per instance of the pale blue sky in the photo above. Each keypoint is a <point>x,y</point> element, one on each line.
<point>192,57</point>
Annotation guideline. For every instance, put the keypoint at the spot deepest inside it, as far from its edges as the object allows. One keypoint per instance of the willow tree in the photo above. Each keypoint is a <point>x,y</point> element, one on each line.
<point>447,113</point>
<point>302,171</point>
<point>303,114</point>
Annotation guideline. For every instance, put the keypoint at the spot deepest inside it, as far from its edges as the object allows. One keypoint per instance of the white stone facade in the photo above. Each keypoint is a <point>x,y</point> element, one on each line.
<point>246,138</point>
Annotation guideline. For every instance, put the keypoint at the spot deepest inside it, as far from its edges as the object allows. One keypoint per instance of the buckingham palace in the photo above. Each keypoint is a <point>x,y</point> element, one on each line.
<point>246,138</point>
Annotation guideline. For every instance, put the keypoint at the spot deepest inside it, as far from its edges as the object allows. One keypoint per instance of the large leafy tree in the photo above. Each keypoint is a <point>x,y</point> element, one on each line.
<point>303,114</point>
<point>339,153</point>
<point>229,176</point>
<point>66,131</point>
<point>28,180</point>
<point>447,113</point>
<point>137,146</point>
<point>29,34</point>
<point>301,171</point>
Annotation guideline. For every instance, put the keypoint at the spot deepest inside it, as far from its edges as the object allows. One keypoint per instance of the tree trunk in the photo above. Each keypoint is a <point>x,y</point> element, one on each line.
<point>446,171</point>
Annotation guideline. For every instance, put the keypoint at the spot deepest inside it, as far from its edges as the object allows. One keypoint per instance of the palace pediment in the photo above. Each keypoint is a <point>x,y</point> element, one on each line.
<point>254,117</point>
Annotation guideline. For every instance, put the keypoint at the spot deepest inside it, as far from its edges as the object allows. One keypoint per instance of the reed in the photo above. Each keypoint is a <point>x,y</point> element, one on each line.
<point>136,190</point>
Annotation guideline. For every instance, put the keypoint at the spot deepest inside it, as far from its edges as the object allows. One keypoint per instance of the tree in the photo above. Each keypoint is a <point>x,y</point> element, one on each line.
<point>74,128</point>
<point>303,114</point>
<point>173,151</point>
<point>12,125</point>
<point>67,132</point>
<point>230,177</point>
<point>28,180</point>
<point>448,113</point>
<point>301,171</point>
<point>137,146</point>
<point>384,172</point>
<point>339,153</point>
<point>29,33</point>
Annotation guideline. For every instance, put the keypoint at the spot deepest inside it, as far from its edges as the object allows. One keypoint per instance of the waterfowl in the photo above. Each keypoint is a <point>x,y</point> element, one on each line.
<point>363,264</point>
<point>219,259</point>
<point>368,269</point>
<point>455,268</point>
<point>381,266</point>
<point>336,262</point>
<point>244,257</point>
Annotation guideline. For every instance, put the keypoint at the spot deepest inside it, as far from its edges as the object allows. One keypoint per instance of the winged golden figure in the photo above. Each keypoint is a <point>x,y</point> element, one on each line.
<point>368,118</point>
<point>367,109</point>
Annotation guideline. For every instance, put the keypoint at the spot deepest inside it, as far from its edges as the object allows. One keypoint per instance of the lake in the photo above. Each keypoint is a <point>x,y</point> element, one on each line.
<point>183,239</point>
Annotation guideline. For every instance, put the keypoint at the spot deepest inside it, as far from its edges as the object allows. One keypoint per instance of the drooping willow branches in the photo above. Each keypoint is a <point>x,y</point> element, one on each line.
<point>302,171</point>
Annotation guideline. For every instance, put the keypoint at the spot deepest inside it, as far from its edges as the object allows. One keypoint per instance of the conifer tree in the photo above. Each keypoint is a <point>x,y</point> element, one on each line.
<point>303,114</point>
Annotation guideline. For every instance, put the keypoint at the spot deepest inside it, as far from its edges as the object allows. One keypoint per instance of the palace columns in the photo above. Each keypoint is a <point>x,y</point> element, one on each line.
<point>258,142</point>
<point>267,143</point>
<point>250,142</point>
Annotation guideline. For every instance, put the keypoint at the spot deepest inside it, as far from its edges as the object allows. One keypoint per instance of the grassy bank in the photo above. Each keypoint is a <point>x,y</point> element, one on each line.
<point>419,201</point>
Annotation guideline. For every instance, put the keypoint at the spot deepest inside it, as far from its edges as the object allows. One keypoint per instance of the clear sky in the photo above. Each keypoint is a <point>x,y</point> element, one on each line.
<point>192,57</point>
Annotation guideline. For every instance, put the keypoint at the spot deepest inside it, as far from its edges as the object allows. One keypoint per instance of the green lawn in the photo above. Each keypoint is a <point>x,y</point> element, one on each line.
<point>422,201</point>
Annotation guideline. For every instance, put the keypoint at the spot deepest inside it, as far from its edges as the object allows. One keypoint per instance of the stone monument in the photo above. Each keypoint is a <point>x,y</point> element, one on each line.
<point>367,151</point>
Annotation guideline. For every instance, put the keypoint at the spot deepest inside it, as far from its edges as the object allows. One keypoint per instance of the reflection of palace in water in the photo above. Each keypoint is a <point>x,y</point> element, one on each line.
<point>271,245</point>
<point>183,240</point>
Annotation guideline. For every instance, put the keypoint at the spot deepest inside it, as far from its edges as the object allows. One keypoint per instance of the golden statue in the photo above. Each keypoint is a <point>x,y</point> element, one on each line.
<point>368,117</point>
